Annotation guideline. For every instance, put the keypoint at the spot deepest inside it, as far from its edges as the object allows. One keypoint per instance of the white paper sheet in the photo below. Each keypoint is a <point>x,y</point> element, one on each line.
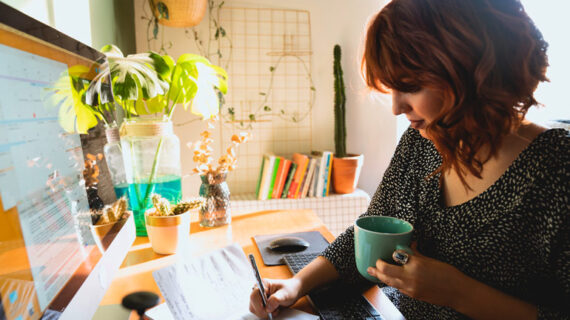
<point>214,286</point>
<point>161,312</point>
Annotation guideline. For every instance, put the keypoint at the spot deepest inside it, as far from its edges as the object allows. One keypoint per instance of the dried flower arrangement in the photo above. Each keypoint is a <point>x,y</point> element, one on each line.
<point>91,171</point>
<point>203,152</point>
<point>163,207</point>
<point>114,212</point>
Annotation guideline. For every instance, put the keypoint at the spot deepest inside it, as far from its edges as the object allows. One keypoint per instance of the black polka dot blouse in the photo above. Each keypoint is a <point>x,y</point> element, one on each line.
<point>513,237</point>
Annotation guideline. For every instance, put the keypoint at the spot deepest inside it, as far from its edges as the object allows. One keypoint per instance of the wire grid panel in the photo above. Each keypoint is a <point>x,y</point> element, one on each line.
<point>268,60</point>
<point>337,212</point>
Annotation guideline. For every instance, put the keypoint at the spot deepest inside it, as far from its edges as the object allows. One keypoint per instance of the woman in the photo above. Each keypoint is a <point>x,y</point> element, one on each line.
<point>486,190</point>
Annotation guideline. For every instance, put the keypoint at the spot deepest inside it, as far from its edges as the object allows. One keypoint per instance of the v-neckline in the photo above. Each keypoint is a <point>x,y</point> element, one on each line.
<point>498,183</point>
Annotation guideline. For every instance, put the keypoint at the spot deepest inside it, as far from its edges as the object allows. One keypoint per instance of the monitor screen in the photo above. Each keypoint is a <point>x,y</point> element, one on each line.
<point>48,249</point>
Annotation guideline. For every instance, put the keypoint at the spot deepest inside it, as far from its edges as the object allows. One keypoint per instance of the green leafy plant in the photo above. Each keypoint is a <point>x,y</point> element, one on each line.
<point>150,83</point>
<point>339,106</point>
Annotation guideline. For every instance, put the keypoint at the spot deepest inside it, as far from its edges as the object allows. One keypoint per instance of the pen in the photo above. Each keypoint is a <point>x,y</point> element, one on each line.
<point>260,284</point>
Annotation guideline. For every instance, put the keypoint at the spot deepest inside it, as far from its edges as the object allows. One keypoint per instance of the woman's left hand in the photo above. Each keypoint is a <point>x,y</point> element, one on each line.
<point>422,278</point>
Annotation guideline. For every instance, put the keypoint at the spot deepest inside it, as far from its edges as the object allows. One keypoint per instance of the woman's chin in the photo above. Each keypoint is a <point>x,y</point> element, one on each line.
<point>423,133</point>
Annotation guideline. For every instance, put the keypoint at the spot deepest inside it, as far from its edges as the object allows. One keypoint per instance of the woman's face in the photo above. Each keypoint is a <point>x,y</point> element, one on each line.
<point>421,107</point>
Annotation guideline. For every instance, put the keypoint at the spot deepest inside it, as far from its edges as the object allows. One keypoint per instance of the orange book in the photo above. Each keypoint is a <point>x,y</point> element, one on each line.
<point>302,161</point>
<point>281,178</point>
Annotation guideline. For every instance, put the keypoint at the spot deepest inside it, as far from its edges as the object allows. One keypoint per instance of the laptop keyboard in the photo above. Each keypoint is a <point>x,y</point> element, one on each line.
<point>336,301</point>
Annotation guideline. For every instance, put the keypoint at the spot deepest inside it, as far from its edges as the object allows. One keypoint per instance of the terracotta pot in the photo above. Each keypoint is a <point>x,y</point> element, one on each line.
<point>182,13</point>
<point>167,234</point>
<point>345,173</point>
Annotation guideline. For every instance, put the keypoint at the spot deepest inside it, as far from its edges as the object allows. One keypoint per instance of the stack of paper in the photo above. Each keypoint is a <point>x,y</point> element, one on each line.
<point>214,286</point>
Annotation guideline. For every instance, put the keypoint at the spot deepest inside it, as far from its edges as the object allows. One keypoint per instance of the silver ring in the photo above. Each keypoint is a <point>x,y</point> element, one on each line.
<point>401,257</point>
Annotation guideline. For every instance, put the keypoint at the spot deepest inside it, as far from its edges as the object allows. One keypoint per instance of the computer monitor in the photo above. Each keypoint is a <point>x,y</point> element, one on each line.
<point>52,263</point>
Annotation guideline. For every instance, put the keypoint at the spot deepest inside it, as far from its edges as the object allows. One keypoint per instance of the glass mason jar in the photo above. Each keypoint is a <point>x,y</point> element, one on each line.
<point>151,153</point>
<point>216,211</point>
<point>114,157</point>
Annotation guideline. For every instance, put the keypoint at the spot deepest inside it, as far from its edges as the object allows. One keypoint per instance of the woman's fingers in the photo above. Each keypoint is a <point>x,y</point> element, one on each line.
<point>390,274</point>
<point>389,281</point>
<point>255,303</point>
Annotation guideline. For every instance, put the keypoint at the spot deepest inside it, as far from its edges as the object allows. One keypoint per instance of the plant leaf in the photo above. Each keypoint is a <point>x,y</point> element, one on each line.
<point>156,104</point>
<point>68,93</point>
<point>163,10</point>
<point>155,29</point>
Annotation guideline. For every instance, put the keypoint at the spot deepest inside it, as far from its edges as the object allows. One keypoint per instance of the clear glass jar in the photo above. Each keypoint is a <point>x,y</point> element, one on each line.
<point>215,190</point>
<point>151,153</point>
<point>114,157</point>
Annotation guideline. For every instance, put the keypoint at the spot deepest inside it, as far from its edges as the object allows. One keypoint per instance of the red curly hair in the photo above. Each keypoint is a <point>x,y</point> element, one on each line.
<point>484,57</point>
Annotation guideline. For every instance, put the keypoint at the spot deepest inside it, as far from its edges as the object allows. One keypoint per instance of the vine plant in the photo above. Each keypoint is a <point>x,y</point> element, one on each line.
<point>217,34</point>
<point>152,24</point>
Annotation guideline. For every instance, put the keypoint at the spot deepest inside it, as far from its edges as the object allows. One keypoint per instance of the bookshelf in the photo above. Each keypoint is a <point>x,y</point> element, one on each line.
<point>337,211</point>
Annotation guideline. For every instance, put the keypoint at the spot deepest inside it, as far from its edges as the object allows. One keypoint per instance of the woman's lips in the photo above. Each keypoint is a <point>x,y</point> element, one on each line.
<point>417,124</point>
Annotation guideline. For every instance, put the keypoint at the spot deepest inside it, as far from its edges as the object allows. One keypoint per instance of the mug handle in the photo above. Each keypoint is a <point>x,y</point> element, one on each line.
<point>399,257</point>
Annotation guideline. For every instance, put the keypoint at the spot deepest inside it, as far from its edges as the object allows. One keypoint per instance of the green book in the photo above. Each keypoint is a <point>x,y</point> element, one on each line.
<point>260,177</point>
<point>273,175</point>
<point>289,179</point>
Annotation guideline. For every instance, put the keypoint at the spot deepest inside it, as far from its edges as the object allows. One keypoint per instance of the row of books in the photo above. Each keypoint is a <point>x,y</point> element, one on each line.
<point>303,176</point>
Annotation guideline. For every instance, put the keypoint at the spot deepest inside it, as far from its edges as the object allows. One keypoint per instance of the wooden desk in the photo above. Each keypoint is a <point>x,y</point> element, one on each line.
<point>136,271</point>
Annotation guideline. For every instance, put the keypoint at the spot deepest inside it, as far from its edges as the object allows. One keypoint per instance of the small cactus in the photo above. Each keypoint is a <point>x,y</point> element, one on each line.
<point>188,204</point>
<point>161,205</point>
<point>112,213</point>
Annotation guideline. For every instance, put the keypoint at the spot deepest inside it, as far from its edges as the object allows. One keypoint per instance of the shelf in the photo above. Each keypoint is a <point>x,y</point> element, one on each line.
<point>337,211</point>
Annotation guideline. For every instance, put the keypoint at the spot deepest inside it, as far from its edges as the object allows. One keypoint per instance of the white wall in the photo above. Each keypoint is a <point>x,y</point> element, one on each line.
<point>68,16</point>
<point>371,126</point>
<point>551,18</point>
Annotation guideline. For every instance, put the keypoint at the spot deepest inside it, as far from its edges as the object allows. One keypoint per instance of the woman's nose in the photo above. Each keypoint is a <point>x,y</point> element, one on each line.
<point>399,106</point>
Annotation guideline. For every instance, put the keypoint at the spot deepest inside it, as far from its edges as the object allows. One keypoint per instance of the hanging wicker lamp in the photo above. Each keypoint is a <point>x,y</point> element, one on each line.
<point>182,13</point>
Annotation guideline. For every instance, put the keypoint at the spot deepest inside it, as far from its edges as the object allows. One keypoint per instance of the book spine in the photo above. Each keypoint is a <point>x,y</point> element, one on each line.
<point>321,176</point>
<point>281,177</point>
<point>260,178</point>
<point>308,179</point>
<point>302,162</point>
<point>273,176</point>
<point>269,161</point>
<point>290,176</point>
<point>329,175</point>
<point>312,192</point>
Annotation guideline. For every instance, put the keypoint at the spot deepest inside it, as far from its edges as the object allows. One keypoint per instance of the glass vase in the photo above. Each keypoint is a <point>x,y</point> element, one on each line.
<point>114,157</point>
<point>216,211</point>
<point>151,153</point>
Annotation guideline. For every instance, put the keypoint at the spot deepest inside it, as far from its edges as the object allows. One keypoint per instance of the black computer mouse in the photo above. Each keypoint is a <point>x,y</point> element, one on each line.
<point>288,244</point>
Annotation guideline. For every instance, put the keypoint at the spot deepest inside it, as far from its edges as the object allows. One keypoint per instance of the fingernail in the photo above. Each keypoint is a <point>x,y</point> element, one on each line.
<point>369,270</point>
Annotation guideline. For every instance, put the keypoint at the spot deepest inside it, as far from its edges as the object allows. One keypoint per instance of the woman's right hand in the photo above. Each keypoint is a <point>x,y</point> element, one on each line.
<point>281,293</point>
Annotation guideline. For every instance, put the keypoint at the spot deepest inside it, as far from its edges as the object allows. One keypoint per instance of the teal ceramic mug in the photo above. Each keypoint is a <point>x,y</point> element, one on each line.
<point>377,237</point>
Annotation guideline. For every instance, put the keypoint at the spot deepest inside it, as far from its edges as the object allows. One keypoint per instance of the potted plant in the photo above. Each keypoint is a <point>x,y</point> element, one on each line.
<point>178,13</point>
<point>148,87</point>
<point>168,226</point>
<point>346,167</point>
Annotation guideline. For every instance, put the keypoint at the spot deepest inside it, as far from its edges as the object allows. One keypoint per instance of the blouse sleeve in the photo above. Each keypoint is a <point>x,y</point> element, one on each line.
<point>341,251</point>
<point>558,307</point>
<point>557,295</point>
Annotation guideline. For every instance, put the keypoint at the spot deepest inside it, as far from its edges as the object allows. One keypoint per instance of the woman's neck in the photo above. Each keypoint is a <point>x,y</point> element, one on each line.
<point>453,190</point>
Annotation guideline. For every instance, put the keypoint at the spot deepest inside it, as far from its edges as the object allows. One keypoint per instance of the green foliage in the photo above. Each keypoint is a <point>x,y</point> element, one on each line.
<point>339,106</point>
<point>68,94</point>
<point>150,83</point>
